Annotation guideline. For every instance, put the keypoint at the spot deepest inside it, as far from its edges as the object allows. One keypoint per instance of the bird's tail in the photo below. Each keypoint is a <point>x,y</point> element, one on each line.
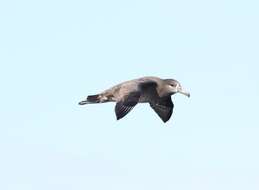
<point>92,99</point>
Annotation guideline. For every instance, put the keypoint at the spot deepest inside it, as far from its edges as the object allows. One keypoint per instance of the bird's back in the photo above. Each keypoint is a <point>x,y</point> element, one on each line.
<point>124,88</point>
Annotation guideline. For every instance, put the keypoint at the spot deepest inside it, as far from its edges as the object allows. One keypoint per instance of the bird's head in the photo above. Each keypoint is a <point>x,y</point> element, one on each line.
<point>173,86</point>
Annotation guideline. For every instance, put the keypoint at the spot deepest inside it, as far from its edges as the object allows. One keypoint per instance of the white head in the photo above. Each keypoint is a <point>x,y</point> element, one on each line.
<point>173,86</point>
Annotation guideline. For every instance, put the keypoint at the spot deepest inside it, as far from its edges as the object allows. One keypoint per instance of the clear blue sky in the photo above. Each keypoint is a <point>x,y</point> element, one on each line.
<point>54,53</point>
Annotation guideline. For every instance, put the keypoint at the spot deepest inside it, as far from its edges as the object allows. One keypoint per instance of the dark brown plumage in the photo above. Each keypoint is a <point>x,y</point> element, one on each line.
<point>153,90</point>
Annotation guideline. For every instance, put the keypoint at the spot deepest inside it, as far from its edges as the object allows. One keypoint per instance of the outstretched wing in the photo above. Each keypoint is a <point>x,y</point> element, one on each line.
<point>124,106</point>
<point>163,107</point>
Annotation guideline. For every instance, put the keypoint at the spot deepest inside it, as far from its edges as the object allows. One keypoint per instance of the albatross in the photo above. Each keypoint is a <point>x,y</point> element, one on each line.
<point>153,90</point>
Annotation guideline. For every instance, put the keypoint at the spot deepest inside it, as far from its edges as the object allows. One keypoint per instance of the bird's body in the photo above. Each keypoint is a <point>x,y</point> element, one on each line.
<point>119,91</point>
<point>153,90</point>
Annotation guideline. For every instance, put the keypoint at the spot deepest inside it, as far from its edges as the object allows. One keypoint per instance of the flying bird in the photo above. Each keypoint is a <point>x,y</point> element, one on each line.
<point>153,90</point>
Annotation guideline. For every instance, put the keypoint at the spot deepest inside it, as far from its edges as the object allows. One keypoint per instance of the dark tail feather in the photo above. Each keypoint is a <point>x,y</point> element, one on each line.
<point>93,98</point>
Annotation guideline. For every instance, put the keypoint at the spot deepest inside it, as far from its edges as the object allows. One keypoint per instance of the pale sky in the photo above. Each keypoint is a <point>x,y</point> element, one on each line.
<point>55,53</point>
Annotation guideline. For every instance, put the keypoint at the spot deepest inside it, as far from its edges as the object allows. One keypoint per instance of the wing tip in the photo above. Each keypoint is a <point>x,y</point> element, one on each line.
<point>165,120</point>
<point>118,117</point>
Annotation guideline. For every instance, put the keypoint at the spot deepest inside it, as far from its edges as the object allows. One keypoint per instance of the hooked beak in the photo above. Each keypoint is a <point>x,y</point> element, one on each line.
<point>184,92</point>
